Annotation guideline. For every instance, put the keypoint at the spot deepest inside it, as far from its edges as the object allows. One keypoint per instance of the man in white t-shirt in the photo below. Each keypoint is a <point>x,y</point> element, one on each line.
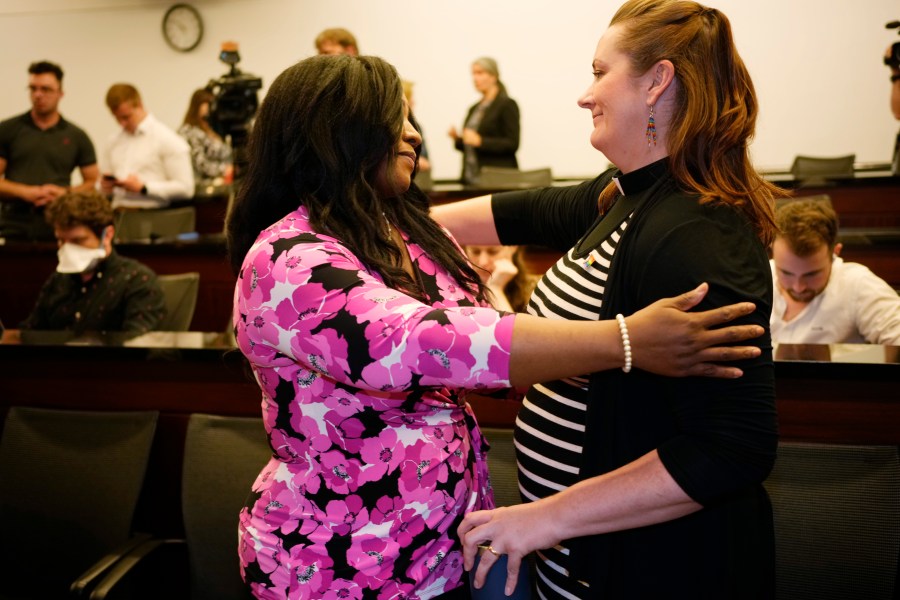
<point>819,298</point>
<point>147,165</point>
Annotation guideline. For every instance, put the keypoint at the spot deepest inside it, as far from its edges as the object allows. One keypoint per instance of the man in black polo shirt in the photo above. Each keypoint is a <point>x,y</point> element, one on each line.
<point>38,152</point>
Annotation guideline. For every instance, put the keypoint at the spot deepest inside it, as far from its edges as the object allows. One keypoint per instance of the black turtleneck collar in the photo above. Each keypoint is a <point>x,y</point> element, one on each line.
<point>632,187</point>
<point>641,179</point>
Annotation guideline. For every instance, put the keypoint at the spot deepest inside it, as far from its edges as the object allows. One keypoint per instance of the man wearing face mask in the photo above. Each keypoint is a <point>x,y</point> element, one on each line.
<point>93,288</point>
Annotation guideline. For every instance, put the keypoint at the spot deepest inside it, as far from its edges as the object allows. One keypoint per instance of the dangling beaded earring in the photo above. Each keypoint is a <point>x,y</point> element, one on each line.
<point>651,129</point>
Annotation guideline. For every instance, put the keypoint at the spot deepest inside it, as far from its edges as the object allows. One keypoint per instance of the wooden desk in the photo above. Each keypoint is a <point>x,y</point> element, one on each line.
<point>211,204</point>
<point>867,201</point>
<point>841,394</point>
<point>870,200</point>
<point>27,265</point>
<point>869,208</point>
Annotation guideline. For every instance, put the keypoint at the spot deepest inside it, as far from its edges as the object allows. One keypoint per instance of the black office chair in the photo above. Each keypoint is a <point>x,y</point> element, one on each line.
<point>222,457</point>
<point>823,198</point>
<point>837,521</point>
<point>69,484</point>
<point>504,472</point>
<point>502,465</point>
<point>180,291</point>
<point>497,178</point>
<point>143,225</point>
<point>814,170</point>
<point>424,181</point>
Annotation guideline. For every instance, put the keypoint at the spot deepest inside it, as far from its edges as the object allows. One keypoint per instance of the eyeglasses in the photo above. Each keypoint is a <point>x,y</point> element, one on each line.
<point>43,89</point>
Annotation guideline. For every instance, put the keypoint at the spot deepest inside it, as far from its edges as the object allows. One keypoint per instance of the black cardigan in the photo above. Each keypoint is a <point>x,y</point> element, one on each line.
<point>716,437</point>
<point>499,131</point>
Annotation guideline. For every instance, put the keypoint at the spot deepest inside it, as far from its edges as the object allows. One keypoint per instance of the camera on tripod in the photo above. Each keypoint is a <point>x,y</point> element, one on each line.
<point>893,60</point>
<point>234,105</point>
<point>235,101</point>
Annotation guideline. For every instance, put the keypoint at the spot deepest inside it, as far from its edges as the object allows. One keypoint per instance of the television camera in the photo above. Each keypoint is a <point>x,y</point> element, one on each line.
<point>893,60</point>
<point>234,103</point>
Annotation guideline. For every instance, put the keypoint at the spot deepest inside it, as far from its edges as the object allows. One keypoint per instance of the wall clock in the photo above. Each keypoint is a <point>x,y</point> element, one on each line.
<point>182,27</point>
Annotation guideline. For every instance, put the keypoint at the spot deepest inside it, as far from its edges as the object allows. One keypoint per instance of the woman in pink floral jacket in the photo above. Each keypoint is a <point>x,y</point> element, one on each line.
<point>364,324</point>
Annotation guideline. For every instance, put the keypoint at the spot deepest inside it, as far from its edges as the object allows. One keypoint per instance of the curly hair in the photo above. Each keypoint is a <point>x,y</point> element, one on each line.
<point>807,225</point>
<point>89,208</point>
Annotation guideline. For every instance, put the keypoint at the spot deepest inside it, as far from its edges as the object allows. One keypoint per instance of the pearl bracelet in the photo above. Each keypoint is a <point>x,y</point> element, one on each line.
<point>626,342</point>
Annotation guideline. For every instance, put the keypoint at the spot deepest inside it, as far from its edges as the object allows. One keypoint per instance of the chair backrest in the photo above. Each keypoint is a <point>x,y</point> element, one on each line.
<point>180,291</point>
<point>502,465</point>
<point>424,181</point>
<point>837,521</point>
<point>823,198</point>
<point>141,225</point>
<point>507,178</point>
<point>222,457</point>
<point>816,170</point>
<point>69,484</point>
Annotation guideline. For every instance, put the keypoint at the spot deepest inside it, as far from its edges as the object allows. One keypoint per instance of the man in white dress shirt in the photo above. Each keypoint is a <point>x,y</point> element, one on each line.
<point>147,165</point>
<point>819,298</point>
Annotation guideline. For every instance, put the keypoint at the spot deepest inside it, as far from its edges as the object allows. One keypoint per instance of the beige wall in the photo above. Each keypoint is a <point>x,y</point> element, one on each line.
<point>817,65</point>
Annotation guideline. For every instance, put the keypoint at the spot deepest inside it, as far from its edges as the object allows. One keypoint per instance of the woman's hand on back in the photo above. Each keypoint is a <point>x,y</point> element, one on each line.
<point>667,340</point>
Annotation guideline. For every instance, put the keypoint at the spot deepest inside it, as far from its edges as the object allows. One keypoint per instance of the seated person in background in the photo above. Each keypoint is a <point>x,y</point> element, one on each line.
<point>337,40</point>
<point>820,299</point>
<point>38,152</point>
<point>210,155</point>
<point>94,289</point>
<point>146,164</point>
<point>502,270</point>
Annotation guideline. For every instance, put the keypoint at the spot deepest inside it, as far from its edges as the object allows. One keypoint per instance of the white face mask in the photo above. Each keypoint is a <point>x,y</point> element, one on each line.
<point>78,259</point>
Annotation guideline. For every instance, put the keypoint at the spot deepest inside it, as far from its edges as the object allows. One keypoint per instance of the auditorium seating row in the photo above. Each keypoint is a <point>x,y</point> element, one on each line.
<point>80,485</point>
<point>78,478</point>
<point>869,209</point>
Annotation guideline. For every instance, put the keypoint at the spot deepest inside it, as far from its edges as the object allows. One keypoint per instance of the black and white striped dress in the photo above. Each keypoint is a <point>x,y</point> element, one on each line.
<point>550,427</point>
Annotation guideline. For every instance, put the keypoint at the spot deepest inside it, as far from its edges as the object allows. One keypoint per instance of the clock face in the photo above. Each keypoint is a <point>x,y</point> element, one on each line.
<point>182,27</point>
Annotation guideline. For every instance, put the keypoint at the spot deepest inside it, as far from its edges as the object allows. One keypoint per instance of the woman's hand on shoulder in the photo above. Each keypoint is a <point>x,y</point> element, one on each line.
<point>668,340</point>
